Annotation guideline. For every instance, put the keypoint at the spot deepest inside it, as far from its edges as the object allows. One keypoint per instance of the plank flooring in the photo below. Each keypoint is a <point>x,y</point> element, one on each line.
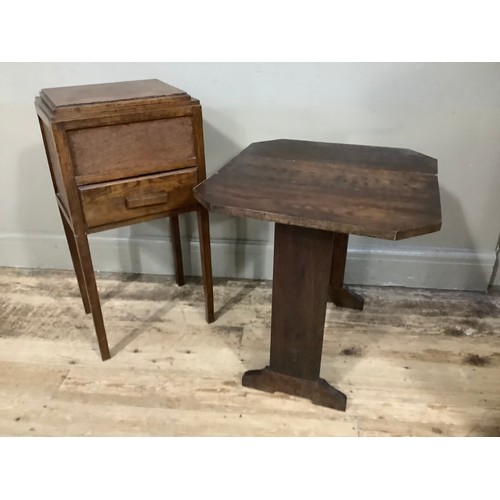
<point>413,363</point>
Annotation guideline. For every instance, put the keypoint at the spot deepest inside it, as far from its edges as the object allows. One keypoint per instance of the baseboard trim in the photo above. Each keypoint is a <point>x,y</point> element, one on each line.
<point>402,266</point>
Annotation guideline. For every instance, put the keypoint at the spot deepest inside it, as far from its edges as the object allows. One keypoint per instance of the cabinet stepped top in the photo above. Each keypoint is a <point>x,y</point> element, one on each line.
<point>107,99</point>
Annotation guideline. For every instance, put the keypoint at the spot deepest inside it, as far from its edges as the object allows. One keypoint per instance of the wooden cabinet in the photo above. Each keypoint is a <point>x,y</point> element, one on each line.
<point>122,153</point>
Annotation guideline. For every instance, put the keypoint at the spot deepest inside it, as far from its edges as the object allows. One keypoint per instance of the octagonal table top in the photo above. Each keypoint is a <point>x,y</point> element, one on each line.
<point>382,192</point>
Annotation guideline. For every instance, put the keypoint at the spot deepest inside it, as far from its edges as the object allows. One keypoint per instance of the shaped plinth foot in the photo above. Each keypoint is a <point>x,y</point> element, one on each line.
<point>343,297</point>
<point>319,391</point>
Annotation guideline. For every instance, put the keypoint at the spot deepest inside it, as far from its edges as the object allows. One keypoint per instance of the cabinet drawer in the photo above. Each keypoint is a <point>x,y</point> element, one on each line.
<point>116,201</point>
<point>131,149</point>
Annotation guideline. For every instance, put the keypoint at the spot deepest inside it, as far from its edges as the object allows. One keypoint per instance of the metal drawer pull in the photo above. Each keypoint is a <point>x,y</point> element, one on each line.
<point>144,201</point>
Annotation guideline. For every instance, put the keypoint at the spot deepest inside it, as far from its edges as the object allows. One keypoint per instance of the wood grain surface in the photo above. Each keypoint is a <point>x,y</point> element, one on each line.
<point>300,292</point>
<point>77,95</point>
<point>387,193</point>
<point>77,102</point>
<point>119,154</point>
<point>131,149</point>
<point>413,363</point>
<point>340,295</point>
<point>114,201</point>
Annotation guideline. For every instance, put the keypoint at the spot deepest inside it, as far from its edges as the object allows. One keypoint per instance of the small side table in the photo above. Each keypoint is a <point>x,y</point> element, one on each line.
<point>119,154</point>
<point>318,194</point>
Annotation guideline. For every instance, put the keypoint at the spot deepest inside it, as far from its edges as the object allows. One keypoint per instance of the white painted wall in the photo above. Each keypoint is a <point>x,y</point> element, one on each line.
<point>450,111</point>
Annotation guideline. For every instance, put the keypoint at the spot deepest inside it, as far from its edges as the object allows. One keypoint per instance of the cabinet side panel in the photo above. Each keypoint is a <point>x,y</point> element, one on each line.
<point>199,142</point>
<point>54,165</point>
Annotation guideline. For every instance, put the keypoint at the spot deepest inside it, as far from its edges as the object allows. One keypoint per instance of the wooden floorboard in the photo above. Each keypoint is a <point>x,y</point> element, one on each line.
<point>413,363</point>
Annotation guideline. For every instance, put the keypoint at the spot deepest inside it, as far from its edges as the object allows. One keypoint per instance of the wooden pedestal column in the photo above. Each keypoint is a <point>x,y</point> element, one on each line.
<point>302,259</point>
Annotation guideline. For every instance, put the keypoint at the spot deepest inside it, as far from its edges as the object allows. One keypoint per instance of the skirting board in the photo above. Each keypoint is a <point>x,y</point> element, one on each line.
<point>410,267</point>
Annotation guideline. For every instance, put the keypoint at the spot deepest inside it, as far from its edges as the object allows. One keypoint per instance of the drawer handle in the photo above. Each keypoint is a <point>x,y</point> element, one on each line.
<point>144,201</point>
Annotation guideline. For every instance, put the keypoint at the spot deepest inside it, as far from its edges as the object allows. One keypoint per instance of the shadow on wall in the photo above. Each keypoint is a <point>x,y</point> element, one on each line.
<point>36,201</point>
<point>472,273</point>
<point>218,150</point>
<point>41,232</point>
<point>425,266</point>
<point>36,208</point>
<point>37,215</point>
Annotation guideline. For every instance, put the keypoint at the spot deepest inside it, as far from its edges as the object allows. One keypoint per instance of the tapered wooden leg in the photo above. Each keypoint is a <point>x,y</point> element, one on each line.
<point>77,265</point>
<point>206,263</point>
<point>82,245</point>
<point>300,293</point>
<point>340,295</point>
<point>177,250</point>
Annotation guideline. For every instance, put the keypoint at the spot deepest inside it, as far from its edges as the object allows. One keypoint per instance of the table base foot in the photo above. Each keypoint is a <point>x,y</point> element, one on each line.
<point>319,391</point>
<point>343,297</point>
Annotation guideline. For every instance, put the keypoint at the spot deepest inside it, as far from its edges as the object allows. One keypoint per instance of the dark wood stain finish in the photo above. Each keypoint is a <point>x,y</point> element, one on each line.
<point>77,264</point>
<point>341,295</point>
<point>175,235</point>
<point>385,193</point>
<point>206,263</point>
<point>300,258</point>
<point>318,194</point>
<point>122,153</point>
